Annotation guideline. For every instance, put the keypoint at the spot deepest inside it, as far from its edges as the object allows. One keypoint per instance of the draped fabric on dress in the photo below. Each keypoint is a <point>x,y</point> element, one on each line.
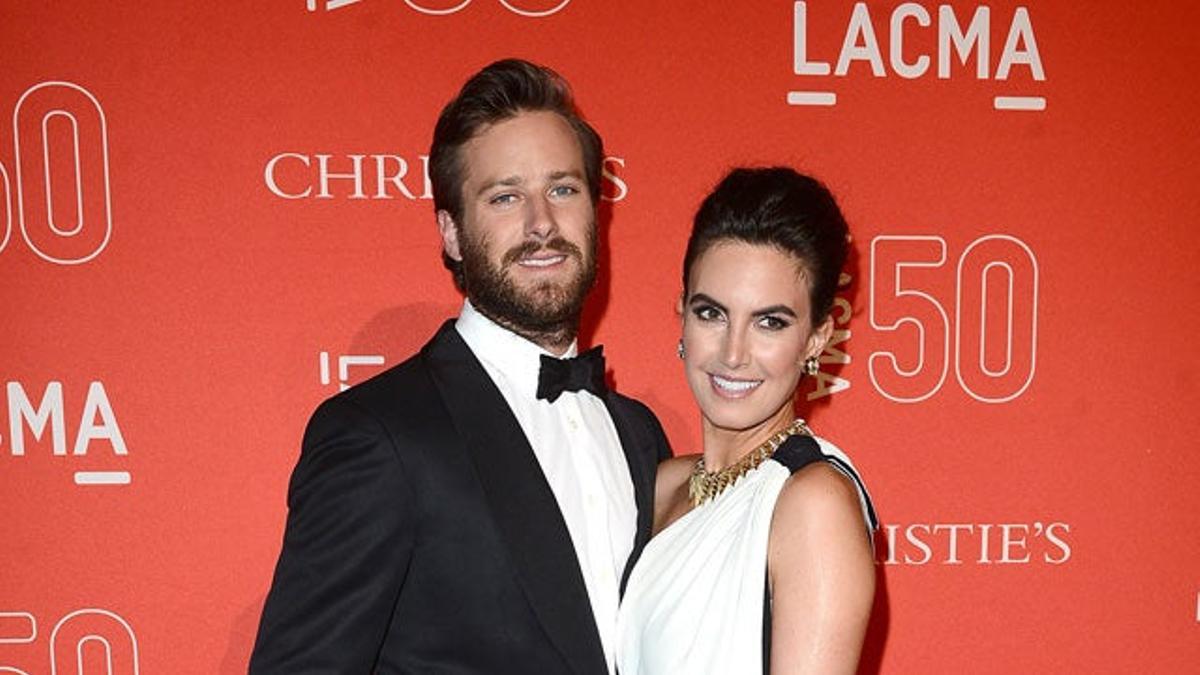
<point>694,603</point>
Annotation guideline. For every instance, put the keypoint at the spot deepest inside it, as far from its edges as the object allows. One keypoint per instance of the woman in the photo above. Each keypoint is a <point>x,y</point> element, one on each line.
<point>761,560</point>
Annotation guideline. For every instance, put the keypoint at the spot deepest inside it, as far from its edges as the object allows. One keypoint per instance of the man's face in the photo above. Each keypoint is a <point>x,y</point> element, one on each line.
<point>527,239</point>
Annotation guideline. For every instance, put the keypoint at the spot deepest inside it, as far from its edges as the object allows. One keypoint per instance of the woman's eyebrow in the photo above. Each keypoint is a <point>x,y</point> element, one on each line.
<point>706,299</point>
<point>776,309</point>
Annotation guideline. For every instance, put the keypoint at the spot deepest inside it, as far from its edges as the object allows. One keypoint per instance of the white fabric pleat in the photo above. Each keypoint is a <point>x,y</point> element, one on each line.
<point>694,602</point>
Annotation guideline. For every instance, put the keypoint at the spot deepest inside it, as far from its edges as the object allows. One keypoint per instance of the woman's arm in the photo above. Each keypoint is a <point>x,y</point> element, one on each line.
<point>822,574</point>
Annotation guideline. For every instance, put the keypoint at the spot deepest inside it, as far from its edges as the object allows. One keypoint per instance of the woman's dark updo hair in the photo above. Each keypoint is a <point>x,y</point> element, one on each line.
<point>777,207</point>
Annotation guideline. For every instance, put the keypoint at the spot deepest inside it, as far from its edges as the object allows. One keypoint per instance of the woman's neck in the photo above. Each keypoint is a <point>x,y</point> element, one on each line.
<point>723,447</point>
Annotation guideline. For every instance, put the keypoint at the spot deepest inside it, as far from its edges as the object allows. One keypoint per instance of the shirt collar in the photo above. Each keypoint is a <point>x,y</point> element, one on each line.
<point>502,351</point>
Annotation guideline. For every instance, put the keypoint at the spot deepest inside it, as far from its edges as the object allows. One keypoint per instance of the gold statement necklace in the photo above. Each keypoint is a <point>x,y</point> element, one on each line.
<point>704,485</point>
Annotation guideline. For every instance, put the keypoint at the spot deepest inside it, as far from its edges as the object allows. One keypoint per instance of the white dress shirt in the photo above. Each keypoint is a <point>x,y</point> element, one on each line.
<point>580,454</point>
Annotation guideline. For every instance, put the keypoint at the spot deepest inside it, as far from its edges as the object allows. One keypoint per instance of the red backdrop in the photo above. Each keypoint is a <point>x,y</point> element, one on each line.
<point>215,215</point>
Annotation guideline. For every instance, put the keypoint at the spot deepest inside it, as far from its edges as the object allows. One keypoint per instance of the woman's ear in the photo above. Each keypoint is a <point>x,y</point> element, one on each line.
<point>819,338</point>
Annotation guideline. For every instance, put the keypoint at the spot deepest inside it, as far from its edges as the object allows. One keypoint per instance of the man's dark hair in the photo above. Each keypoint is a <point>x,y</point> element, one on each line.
<point>497,93</point>
<point>782,208</point>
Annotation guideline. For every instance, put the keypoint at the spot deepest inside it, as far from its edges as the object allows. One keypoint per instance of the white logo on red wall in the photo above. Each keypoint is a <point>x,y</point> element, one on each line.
<point>296,175</point>
<point>995,317</point>
<point>984,328</point>
<point>1036,543</point>
<point>55,421</point>
<point>529,8</point>
<point>824,382</point>
<point>77,643</point>
<point>344,362</point>
<point>59,193</point>
<point>960,38</point>
<point>302,175</point>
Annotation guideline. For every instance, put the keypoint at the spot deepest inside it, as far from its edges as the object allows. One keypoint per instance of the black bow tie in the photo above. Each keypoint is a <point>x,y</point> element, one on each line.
<point>585,371</point>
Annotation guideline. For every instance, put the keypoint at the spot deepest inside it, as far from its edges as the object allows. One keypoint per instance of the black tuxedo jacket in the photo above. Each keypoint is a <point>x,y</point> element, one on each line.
<point>422,536</point>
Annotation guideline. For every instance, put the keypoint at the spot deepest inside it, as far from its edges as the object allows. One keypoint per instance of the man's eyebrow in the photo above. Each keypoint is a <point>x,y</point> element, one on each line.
<point>514,180</point>
<point>507,181</point>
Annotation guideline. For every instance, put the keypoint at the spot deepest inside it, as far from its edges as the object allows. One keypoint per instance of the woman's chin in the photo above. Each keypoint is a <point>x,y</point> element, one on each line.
<point>732,422</point>
<point>742,416</point>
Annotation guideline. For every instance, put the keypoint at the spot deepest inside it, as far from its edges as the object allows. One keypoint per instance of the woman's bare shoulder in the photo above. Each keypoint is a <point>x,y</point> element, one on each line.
<point>819,496</point>
<point>674,472</point>
<point>670,490</point>
<point>818,517</point>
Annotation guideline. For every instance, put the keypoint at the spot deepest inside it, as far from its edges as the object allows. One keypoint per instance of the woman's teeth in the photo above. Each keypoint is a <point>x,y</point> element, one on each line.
<point>735,386</point>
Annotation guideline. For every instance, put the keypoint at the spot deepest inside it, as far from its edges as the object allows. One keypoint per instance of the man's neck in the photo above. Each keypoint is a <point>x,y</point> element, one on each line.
<point>556,340</point>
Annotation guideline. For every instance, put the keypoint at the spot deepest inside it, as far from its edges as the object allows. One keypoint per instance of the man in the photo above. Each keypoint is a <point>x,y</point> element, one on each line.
<point>477,508</point>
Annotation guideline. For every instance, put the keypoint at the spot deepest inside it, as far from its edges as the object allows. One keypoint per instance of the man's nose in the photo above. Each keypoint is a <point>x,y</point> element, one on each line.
<point>540,221</point>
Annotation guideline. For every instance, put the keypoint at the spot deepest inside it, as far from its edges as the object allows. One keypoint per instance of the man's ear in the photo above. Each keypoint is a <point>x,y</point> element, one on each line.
<point>449,231</point>
<point>819,338</point>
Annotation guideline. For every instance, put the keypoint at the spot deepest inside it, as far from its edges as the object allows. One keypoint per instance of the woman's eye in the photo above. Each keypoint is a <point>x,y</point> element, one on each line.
<point>707,313</point>
<point>773,323</point>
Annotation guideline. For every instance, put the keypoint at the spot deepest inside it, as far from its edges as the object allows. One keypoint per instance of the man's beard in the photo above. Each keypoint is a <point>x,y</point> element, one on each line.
<point>547,310</point>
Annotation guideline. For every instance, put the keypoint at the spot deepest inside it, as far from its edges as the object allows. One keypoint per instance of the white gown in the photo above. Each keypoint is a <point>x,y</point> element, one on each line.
<point>694,602</point>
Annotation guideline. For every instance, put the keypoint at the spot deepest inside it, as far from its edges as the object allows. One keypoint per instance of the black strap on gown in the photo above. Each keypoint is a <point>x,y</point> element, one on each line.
<point>796,453</point>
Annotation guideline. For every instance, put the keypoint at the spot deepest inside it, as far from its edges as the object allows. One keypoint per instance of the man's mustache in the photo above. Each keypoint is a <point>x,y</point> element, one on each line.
<point>530,247</point>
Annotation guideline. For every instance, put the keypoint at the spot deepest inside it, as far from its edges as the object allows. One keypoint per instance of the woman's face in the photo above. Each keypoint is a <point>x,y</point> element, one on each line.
<point>746,333</point>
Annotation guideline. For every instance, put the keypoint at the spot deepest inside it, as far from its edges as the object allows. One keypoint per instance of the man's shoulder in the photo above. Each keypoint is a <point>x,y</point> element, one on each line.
<point>374,400</point>
<point>411,377</point>
<point>638,416</point>
<point>396,381</point>
<point>408,385</point>
<point>629,404</point>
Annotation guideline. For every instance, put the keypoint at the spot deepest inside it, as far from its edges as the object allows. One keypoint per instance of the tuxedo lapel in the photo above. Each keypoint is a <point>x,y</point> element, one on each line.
<point>635,449</point>
<point>520,500</point>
